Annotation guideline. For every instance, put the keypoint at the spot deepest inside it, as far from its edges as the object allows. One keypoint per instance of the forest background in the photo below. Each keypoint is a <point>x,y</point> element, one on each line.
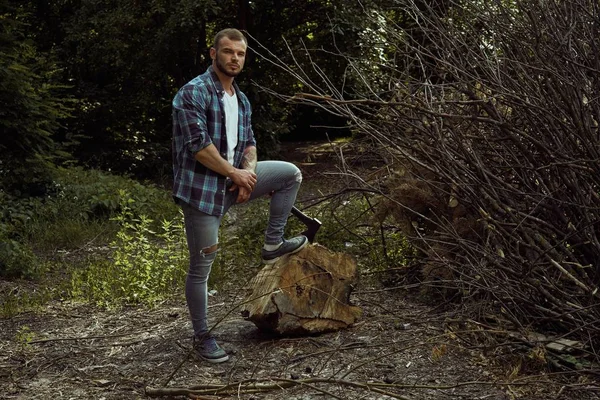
<point>470,164</point>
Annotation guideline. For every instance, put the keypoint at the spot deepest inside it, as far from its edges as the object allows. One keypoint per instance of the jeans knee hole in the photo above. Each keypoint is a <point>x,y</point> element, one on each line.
<point>211,250</point>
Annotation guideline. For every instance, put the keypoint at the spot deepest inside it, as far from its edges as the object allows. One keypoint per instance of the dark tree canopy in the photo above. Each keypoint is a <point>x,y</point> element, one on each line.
<point>123,60</point>
<point>32,102</point>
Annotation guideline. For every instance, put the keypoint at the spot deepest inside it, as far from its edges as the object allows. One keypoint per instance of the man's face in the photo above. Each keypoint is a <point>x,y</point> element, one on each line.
<point>230,57</point>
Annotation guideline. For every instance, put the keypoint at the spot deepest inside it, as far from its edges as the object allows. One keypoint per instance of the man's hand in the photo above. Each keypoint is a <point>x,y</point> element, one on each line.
<point>243,178</point>
<point>243,193</point>
<point>210,158</point>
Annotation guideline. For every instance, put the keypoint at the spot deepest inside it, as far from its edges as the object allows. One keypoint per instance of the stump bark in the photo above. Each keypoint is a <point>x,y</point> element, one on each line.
<point>304,293</point>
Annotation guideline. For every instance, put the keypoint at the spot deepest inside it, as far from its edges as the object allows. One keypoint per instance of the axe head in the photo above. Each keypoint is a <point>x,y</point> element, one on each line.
<point>312,224</point>
<point>312,227</point>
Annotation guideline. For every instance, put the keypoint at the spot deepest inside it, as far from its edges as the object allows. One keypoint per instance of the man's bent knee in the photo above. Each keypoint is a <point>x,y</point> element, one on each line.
<point>298,175</point>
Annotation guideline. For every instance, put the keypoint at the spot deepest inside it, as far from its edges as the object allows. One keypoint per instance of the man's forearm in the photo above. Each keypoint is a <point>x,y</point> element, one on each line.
<point>210,158</point>
<point>249,161</point>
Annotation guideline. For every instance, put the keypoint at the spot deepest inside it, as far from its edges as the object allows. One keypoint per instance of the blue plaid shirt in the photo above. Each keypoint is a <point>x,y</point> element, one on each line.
<point>198,121</point>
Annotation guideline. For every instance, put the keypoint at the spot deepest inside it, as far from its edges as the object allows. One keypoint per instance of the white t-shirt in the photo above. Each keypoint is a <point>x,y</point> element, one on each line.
<point>231,123</point>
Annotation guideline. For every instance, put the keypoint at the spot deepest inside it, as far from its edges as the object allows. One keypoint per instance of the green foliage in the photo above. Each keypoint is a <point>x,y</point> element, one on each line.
<point>75,212</point>
<point>146,266</point>
<point>24,177</point>
<point>63,236</point>
<point>98,195</point>
<point>31,106</point>
<point>25,335</point>
<point>350,225</point>
<point>50,239</point>
<point>16,259</point>
<point>22,297</point>
<point>125,59</point>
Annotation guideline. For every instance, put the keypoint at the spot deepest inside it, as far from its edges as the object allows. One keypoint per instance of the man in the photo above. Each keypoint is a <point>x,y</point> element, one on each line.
<point>215,166</point>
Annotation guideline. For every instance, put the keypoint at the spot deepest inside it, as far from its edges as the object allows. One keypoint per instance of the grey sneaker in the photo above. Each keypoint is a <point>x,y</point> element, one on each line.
<point>291,246</point>
<point>208,349</point>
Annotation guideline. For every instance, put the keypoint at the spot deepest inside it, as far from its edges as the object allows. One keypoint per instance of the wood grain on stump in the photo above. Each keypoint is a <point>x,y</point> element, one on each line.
<point>304,293</point>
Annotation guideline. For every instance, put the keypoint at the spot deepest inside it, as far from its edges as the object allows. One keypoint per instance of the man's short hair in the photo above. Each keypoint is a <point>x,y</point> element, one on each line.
<point>231,34</point>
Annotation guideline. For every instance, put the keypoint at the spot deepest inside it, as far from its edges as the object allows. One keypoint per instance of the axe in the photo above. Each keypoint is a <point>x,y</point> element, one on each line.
<point>312,224</point>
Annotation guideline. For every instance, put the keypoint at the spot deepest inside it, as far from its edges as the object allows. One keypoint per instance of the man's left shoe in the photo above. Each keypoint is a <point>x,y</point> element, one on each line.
<point>208,349</point>
<point>291,246</point>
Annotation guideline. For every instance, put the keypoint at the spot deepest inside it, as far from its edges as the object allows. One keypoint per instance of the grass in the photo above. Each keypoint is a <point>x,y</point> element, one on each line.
<point>71,234</point>
<point>90,227</point>
<point>351,225</point>
<point>92,239</point>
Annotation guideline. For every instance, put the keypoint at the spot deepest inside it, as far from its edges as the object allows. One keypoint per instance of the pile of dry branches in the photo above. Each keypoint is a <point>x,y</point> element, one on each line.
<point>488,120</point>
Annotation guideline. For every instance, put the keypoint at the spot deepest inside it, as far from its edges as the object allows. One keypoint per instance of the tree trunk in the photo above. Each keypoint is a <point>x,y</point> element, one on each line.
<point>200,63</point>
<point>304,293</point>
<point>243,14</point>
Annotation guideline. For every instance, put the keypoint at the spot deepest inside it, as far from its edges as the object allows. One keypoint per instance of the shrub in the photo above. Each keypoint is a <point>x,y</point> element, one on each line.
<point>488,112</point>
<point>96,194</point>
<point>16,257</point>
<point>146,265</point>
<point>352,225</point>
<point>74,210</point>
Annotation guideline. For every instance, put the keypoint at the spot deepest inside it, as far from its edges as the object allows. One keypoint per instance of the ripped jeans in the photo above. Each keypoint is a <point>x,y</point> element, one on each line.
<point>202,230</point>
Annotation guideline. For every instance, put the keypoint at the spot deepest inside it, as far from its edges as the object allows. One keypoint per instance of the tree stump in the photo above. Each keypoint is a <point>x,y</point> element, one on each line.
<point>304,293</point>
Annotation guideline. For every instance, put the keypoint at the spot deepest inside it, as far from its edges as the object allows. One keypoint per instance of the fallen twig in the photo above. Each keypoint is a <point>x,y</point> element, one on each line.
<point>272,384</point>
<point>85,337</point>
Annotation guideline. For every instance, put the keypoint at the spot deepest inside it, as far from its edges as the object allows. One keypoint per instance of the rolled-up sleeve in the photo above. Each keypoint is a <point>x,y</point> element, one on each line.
<point>189,108</point>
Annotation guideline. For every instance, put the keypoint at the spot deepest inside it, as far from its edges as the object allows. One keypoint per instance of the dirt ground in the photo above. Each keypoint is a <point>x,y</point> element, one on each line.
<point>400,349</point>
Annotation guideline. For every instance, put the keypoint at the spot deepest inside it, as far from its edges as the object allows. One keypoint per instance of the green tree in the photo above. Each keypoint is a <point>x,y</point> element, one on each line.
<point>31,108</point>
<point>125,59</point>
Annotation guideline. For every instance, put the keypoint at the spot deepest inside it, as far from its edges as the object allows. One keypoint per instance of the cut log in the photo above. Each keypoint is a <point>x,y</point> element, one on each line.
<point>304,293</point>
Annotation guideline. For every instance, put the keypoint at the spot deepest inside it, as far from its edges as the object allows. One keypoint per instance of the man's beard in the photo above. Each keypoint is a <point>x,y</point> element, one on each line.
<point>224,70</point>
